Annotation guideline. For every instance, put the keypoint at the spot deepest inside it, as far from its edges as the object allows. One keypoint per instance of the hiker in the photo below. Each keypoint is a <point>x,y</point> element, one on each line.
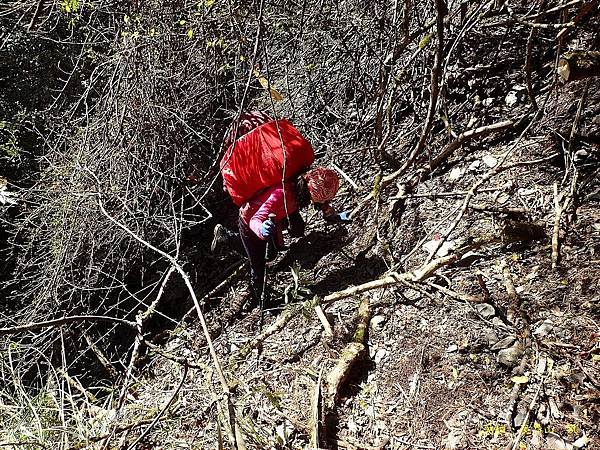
<point>276,207</point>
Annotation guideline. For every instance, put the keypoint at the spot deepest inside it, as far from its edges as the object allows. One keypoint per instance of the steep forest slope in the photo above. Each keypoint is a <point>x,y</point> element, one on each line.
<point>460,307</point>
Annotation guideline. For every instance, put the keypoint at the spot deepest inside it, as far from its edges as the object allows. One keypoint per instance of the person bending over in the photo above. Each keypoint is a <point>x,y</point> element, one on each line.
<point>263,218</point>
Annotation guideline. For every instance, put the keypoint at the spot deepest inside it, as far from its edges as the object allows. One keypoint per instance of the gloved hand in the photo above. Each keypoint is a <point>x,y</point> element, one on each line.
<point>267,228</point>
<point>344,216</point>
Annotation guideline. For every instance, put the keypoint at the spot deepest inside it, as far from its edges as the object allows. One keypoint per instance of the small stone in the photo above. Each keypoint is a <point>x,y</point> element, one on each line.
<point>504,343</point>
<point>474,166</point>
<point>377,322</point>
<point>456,173</point>
<point>554,409</point>
<point>580,156</point>
<point>497,322</point>
<point>555,442</point>
<point>452,348</point>
<point>510,357</point>
<point>487,102</point>
<point>491,337</point>
<point>544,328</point>
<point>526,191</point>
<point>541,364</point>
<point>351,424</point>
<point>379,355</point>
<point>485,310</point>
<point>581,442</point>
<point>468,259</point>
<point>519,418</point>
<point>444,250</point>
<point>490,161</point>
<point>511,99</point>
<point>502,198</point>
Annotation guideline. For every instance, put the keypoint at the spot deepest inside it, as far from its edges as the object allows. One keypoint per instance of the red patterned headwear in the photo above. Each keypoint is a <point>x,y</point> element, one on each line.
<point>323,184</point>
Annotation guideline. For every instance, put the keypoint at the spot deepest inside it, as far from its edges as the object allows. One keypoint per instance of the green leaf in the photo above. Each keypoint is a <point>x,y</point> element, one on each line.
<point>425,41</point>
<point>190,33</point>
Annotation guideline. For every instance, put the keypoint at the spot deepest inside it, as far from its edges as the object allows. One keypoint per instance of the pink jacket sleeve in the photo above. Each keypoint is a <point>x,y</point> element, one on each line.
<point>273,204</point>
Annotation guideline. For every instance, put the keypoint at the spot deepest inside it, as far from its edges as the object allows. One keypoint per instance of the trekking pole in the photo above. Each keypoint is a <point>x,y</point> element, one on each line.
<point>264,286</point>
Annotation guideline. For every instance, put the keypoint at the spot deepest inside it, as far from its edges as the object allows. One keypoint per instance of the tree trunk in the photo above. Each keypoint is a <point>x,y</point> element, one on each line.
<point>578,65</point>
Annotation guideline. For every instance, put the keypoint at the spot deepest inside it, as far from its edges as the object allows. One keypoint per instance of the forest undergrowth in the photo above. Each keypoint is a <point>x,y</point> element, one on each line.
<point>458,310</point>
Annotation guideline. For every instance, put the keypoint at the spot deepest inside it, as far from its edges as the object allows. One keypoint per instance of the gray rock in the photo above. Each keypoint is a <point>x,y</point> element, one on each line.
<point>486,310</point>
<point>520,418</point>
<point>378,321</point>
<point>468,259</point>
<point>491,337</point>
<point>555,442</point>
<point>452,348</point>
<point>511,99</point>
<point>504,343</point>
<point>544,328</point>
<point>510,357</point>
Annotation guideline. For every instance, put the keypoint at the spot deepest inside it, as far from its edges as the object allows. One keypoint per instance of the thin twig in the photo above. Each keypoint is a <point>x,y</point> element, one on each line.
<point>64,321</point>
<point>162,411</point>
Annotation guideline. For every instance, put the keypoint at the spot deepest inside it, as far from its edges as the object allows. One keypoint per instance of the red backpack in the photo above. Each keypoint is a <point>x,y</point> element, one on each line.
<point>255,161</point>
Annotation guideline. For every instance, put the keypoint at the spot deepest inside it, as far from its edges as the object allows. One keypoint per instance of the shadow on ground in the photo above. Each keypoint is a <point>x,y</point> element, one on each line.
<point>313,249</point>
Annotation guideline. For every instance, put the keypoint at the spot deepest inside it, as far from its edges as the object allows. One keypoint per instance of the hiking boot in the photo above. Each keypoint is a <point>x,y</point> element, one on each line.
<point>219,237</point>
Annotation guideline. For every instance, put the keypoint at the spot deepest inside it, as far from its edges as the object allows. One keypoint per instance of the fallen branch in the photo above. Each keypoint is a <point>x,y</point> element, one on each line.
<point>584,12</point>
<point>275,327</point>
<point>110,368</point>
<point>516,317</point>
<point>351,353</point>
<point>552,10</point>
<point>443,156</point>
<point>348,355</point>
<point>462,139</point>
<point>417,275</point>
<point>323,319</point>
<point>499,209</point>
<point>316,418</point>
<point>517,441</point>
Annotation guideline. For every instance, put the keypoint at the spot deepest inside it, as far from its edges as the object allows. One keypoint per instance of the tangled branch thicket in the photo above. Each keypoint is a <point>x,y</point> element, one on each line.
<point>144,135</point>
<point>133,136</point>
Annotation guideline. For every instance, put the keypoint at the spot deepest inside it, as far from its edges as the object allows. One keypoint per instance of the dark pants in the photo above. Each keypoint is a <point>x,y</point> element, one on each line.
<point>248,243</point>
<point>256,249</point>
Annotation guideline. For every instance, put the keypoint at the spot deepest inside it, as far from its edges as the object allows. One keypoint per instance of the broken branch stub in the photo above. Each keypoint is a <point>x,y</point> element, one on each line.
<point>579,65</point>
